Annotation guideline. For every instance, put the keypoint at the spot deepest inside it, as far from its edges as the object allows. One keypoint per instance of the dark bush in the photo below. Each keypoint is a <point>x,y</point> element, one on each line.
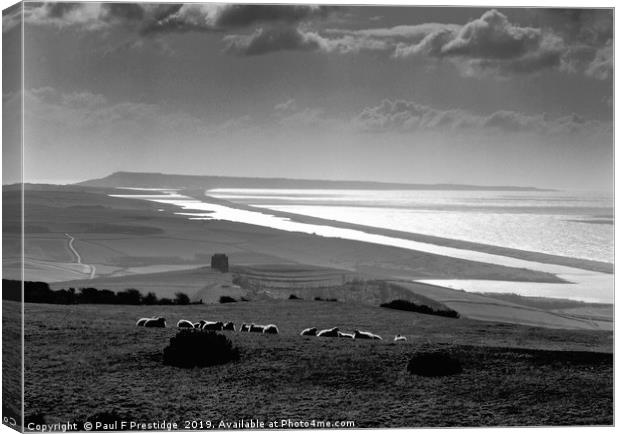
<point>149,299</point>
<point>420,308</point>
<point>227,299</point>
<point>191,348</point>
<point>434,364</point>
<point>181,298</point>
<point>129,296</point>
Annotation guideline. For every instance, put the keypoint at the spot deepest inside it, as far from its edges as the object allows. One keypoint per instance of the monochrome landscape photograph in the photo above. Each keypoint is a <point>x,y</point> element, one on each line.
<point>277,216</point>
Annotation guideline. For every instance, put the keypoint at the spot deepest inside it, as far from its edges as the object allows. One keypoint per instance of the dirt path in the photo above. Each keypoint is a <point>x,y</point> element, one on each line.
<point>78,259</point>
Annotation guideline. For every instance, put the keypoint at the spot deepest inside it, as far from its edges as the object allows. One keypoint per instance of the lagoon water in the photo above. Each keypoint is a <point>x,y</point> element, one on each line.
<point>585,285</point>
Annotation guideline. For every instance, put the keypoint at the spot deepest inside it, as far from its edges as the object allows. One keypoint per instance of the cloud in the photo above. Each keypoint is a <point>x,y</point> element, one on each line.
<point>602,65</point>
<point>86,111</point>
<point>572,41</point>
<point>406,116</point>
<point>289,114</point>
<point>164,18</point>
<point>248,15</point>
<point>492,45</point>
<point>272,39</point>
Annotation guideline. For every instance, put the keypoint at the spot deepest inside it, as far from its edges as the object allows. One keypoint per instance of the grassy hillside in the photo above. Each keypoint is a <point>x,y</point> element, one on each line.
<point>513,375</point>
<point>481,307</point>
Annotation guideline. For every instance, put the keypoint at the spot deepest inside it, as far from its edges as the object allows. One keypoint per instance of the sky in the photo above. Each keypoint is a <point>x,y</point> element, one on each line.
<point>509,96</point>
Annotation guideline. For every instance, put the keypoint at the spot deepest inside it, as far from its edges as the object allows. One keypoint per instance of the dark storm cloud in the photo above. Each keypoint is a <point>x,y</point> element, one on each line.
<point>565,40</point>
<point>125,11</point>
<point>248,15</point>
<point>407,116</point>
<point>162,18</point>
<point>590,26</point>
<point>58,10</point>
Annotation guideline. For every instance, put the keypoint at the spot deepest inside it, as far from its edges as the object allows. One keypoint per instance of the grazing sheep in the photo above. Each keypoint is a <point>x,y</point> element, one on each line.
<point>271,329</point>
<point>346,335</point>
<point>244,327</point>
<point>199,324</point>
<point>229,326</point>
<point>400,338</point>
<point>256,328</point>
<point>155,322</point>
<point>213,325</point>
<point>142,321</point>
<point>309,332</point>
<point>329,333</point>
<point>366,335</point>
<point>185,324</point>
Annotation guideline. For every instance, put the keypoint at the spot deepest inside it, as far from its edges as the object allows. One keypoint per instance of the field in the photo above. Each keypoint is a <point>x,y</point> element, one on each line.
<point>83,361</point>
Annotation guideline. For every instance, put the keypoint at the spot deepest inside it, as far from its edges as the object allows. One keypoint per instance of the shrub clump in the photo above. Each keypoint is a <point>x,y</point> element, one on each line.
<point>434,364</point>
<point>191,348</point>
<point>325,299</point>
<point>420,308</point>
<point>227,299</point>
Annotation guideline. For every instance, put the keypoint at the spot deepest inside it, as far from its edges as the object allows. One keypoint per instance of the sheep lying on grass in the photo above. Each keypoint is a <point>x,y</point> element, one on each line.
<point>142,321</point>
<point>213,325</point>
<point>366,335</point>
<point>185,324</point>
<point>329,333</point>
<point>271,329</point>
<point>155,322</point>
<point>346,335</point>
<point>309,332</point>
<point>398,338</point>
<point>257,328</point>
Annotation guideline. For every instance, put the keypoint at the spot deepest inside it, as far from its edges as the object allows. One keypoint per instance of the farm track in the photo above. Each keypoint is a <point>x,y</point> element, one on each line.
<point>78,259</point>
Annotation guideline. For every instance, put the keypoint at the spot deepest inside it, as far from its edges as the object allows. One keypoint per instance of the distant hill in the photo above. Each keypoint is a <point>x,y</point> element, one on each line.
<point>161,180</point>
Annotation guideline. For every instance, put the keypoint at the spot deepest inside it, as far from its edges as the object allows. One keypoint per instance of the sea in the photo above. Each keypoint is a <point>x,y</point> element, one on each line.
<point>572,224</point>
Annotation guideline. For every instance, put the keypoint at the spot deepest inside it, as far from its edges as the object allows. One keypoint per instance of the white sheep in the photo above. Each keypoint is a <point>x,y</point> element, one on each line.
<point>155,322</point>
<point>142,321</point>
<point>329,333</point>
<point>366,335</point>
<point>309,332</point>
<point>185,324</point>
<point>271,329</point>
<point>213,325</point>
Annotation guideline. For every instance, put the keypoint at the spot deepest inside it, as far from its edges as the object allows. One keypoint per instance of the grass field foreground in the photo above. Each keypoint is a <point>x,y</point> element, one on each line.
<point>85,360</point>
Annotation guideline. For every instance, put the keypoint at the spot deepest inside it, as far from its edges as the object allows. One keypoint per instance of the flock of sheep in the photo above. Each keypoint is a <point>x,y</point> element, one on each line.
<point>256,328</point>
